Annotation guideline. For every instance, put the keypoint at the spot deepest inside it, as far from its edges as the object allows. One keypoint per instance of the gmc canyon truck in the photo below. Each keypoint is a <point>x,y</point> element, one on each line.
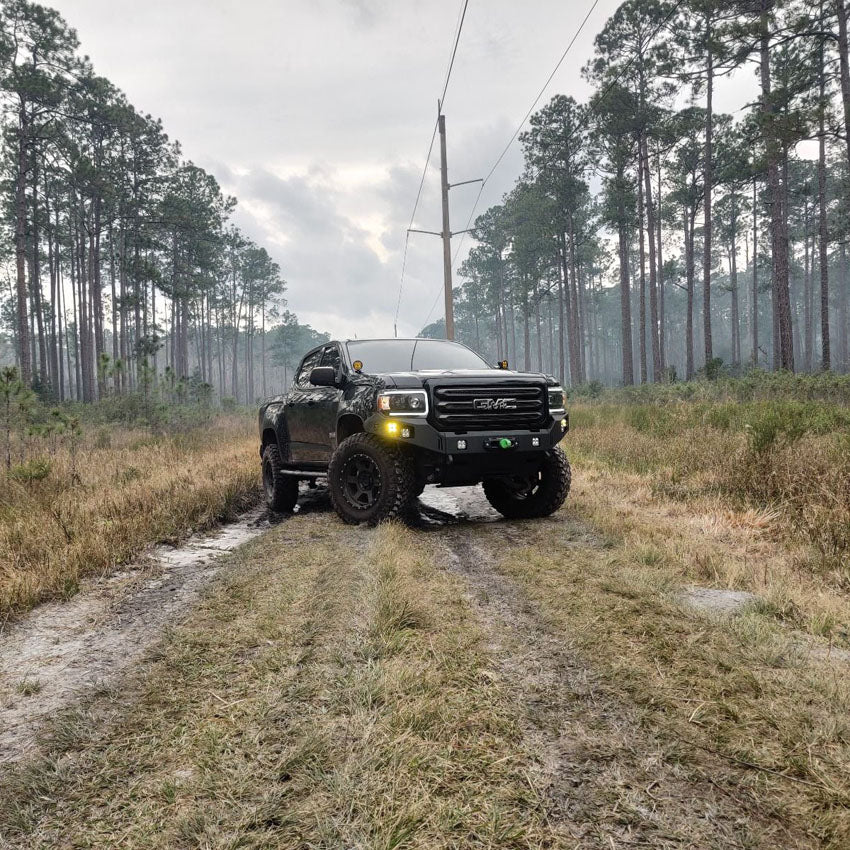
<point>382,418</point>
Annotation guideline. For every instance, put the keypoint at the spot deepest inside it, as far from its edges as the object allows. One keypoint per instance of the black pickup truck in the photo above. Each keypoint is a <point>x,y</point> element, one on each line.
<point>382,418</point>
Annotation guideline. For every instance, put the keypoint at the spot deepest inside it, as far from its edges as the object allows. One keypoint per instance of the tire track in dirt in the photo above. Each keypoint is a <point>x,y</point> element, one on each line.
<point>607,779</point>
<point>62,651</point>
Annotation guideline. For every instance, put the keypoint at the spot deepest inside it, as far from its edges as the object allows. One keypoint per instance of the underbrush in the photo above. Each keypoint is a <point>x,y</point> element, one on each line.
<point>790,456</point>
<point>755,385</point>
<point>78,499</point>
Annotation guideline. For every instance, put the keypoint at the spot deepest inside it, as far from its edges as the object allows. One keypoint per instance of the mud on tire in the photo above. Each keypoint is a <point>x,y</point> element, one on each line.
<point>281,490</point>
<point>369,481</point>
<point>540,495</point>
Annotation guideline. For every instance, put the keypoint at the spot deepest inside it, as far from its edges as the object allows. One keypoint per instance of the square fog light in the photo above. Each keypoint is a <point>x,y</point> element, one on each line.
<point>535,441</point>
<point>461,444</point>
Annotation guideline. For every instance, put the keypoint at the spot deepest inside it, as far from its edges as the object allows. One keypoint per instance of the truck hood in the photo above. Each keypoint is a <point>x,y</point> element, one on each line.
<point>415,380</point>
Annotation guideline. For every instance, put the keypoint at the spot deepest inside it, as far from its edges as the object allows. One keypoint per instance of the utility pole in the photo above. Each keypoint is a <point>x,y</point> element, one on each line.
<point>447,233</point>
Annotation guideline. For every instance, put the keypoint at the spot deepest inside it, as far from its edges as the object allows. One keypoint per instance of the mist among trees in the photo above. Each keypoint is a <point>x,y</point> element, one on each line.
<point>121,264</point>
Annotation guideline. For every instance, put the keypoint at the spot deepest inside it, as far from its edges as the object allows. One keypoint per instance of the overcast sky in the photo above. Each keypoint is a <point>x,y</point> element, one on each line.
<point>316,115</point>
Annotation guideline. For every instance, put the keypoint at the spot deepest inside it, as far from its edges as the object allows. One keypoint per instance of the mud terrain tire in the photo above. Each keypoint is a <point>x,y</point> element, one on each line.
<point>281,490</point>
<point>539,496</point>
<point>369,481</point>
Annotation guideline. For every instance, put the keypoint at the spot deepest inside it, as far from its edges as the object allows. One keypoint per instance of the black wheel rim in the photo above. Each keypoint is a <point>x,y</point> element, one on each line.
<point>361,482</point>
<point>268,479</point>
<point>522,486</point>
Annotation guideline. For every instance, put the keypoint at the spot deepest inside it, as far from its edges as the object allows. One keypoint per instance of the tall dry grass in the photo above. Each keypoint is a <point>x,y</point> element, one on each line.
<point>790,458</point>
<point>83,507</point>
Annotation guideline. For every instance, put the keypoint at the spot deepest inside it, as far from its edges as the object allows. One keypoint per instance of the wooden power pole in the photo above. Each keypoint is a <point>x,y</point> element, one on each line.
<point>446,232</point>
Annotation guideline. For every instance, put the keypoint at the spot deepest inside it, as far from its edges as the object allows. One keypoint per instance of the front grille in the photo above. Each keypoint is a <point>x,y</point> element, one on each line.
<point>459,408</point>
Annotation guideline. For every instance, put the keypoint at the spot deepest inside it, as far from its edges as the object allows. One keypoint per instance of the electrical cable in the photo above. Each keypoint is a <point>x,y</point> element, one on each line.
<point>458,29</point>
<point>605,91</point>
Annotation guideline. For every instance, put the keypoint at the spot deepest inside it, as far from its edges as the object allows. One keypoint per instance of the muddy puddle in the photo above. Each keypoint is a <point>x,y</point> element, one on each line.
<point>62,650</point>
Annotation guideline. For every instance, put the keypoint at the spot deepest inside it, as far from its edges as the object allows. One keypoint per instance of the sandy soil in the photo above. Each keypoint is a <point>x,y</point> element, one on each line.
<point>62,650</point>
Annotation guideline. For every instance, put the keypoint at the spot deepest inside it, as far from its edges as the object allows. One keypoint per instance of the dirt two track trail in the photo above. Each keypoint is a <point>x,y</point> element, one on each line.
<point>67,650</point>
<point>608,780</point>
<point>606,777</point>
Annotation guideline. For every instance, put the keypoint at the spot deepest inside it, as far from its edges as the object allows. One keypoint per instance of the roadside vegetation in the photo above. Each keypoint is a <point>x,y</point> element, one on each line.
<point>776,445</point>
<point>84,488</point>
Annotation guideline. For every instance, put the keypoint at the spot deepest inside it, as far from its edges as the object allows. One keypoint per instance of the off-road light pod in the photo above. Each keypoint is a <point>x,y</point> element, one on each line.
<point>403,402</point>
<point>394,429</point>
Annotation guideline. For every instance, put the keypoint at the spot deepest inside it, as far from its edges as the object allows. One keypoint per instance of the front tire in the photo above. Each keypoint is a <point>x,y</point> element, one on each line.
<point>281,490</point>
<point>369,480</point>
<point>531,497</point>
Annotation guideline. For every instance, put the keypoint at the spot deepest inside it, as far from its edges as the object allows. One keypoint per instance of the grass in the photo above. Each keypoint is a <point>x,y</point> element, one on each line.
<point>334,692</point>
<point>338,688</point>
<point>87,505</point>
<point>744,701</point>
<point>786,461</point>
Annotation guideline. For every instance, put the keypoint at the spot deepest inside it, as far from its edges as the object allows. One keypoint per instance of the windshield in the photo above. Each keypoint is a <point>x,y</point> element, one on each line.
<point>380,356</point>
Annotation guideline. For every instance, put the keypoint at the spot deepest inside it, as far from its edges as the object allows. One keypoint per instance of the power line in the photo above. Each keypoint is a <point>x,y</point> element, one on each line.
<point>543,89</point>
<point>592,107</point>
<point>454,52</point>
<point>458,29</point>
<point>513,138</point>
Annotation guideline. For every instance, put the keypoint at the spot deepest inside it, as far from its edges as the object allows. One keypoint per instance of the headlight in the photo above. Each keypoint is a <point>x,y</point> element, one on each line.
<point>556,401</point>
<point>403,403</point>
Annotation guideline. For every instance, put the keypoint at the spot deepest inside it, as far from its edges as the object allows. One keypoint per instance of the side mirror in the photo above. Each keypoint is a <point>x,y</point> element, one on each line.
<point>503,364</point>
<point>323,376</point>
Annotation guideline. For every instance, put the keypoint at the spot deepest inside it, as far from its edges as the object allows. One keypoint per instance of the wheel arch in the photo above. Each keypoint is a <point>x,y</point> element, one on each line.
<point>348,424</point>
<point>269,438</point>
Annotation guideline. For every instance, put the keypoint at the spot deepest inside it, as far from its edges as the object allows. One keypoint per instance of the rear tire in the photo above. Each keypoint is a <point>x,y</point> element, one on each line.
<point>519,497</point>
<point>369,480</point>
<point>281,490</point>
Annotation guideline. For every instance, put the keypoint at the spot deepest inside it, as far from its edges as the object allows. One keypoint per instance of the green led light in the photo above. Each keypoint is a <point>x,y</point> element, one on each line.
<point>505,443</point>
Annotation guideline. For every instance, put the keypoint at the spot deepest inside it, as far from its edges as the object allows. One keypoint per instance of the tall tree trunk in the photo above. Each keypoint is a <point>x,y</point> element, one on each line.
<point>21,247</point>
<point>263,343</point>
<point>35,279</point>
<point>539,331</point>
<point>843,311</point>
<point>642,277</point>
<point>52,267</point>
<point>784,343</point>
<point>561,312</point>
<point>689,278</point>
<point>526,333</point>
<point>572,289</point>
<point>97,298</point>
<point>662,327</point>
<point>823,236</point>
<point>755,306</point>
<point>653,275</point>
<point>808,301</point>
<point>733,274</point>
<point>708,181</point>
<point>625,304</point>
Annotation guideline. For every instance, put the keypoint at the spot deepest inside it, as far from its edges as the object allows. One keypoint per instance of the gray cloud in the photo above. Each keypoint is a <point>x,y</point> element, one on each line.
<point>316,114</point>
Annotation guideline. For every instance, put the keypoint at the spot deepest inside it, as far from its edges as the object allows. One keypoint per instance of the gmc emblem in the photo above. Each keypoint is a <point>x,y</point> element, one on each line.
<point>494,403</point>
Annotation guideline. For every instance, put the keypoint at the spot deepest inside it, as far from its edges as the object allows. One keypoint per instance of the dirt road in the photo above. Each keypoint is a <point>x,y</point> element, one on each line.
<point>440,683</point>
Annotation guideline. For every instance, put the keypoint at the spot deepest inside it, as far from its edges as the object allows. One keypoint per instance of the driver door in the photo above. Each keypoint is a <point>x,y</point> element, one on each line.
<point>300,408</point>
